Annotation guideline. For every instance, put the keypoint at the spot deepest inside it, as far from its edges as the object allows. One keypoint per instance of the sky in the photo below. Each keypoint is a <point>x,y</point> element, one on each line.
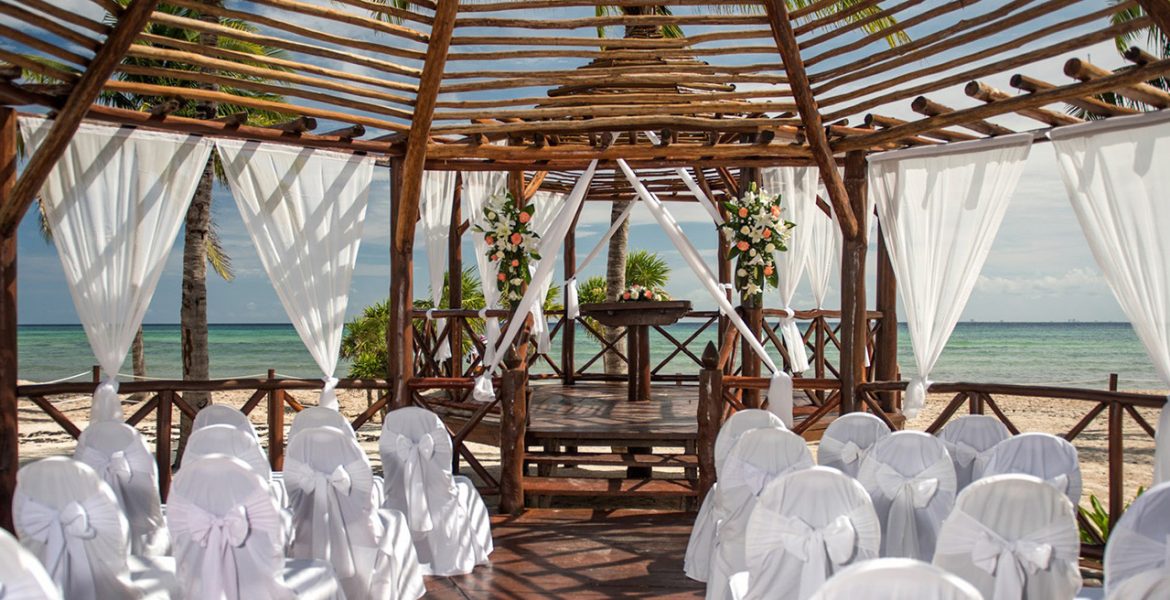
<point>1039,268</point>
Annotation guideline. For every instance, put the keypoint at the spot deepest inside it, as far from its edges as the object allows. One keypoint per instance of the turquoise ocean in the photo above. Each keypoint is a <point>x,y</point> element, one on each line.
<point>1076,354</point>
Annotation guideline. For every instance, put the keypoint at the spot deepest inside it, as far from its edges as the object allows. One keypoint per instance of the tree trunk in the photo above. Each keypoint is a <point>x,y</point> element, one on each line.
<point>138,357</point>
<point>615,282</point>
<point>193,312</point>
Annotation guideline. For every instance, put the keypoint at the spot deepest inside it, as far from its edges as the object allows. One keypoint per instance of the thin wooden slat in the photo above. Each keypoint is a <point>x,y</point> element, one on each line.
<point>9,355</point>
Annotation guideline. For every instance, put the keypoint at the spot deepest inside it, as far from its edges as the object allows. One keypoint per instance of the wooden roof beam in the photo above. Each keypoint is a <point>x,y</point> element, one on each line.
<point>925,106</point>
<point>806,104</point>
<point>89,85</point>
<point>1140,92</point>
<point>1087,103</point>
<point>1138,56</point>
<point>1159,11</point>
<point>947,135</point>
<point>985,93</point>
<point>415,160</point>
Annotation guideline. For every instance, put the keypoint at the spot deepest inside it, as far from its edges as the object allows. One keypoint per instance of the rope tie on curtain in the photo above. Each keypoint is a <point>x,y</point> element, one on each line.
<point>106,405</point>
<point>329,393</point>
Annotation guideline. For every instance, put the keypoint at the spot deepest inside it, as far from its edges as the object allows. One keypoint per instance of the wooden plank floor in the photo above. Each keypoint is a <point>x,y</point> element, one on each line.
<point>603,408</point>
<point>580,553</point>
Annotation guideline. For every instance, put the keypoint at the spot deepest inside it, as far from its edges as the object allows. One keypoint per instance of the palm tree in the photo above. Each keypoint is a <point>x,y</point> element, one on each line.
<point>642,267</point>
<point>1153,38</point>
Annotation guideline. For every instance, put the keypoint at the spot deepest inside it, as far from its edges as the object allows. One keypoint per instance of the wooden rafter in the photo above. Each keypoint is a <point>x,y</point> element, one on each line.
<point>1159,11</point>
<point>807,106</point>
<point>420,130</point>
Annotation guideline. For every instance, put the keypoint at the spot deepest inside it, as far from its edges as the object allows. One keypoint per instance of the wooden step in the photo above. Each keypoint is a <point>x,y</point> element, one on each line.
<point>582,486</point>
<point>602,459</point>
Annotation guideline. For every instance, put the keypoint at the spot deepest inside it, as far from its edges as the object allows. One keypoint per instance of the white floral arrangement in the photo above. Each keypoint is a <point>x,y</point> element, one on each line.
<point>510,244</point>
<point>756,231</point>
<point>637,293</point>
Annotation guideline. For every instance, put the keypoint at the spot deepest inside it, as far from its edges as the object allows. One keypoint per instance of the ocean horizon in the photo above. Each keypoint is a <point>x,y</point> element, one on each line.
<point>1076,353</point>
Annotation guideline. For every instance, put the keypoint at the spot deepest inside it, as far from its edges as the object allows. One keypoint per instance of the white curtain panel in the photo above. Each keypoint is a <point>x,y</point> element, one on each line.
<point>1117,174</point>
<point>780,389</point>
<point>941,209</point>
<point>546,211</point>
<point>478,187</point>
<point>115,201</point>
<point>304,209</point>
<point>797,187</point>
<point>824,253</point>
<point>438,193</point>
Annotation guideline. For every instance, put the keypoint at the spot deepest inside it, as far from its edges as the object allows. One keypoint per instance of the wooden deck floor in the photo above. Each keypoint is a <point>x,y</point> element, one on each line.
<point>580,553</point>
<point>602,409</point>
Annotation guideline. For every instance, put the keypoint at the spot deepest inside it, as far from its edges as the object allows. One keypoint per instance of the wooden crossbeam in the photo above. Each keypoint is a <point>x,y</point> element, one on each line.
<point>1159,11</point>
<point>806,105</point>
<point>130,24</point>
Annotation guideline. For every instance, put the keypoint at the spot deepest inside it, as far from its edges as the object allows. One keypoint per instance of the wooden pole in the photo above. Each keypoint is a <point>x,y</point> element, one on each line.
<point>455,277</point>
<point>710,416</point>
<point>9,431</point>
<point>1116,450</point>
<point>400,331</point>
<point>162,441</point>
<point>854,328</point>
<point>514,413</point>
<point>275,425</point>
<point>569,326</point>
<point>886,352</point>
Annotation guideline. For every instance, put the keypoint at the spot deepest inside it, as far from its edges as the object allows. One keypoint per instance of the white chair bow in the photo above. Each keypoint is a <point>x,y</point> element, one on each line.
<point>219,536</point>
<point>816,547</point>
<point>330,538</point>
<point>907,495</point>
<point>114,467</point>
<point>963,453</point>
<point>63,533</point>
<point>848,439</point>
<point>415,457</point>
<point>849,452</point>
<point>911,479</point>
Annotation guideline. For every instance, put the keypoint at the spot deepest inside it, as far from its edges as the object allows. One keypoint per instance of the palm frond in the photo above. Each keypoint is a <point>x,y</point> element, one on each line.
<point>386,17</point>
<point>217,259</point>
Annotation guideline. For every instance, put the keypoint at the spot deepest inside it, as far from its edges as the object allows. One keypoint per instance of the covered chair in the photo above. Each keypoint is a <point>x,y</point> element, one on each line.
<point>847,440</point>
<point>319,416</point>
<point>229,541</point>
<point>806,526</point>
<point>335,518</point>
<point>1043,455</point>
<point>896,579</point>
<point>1140,542</point>
<point>970,439</point>
<point>1012,537</point>
<point>232,441</point>
<point>697,562</point>
<point>1149,585</point>
<point>22,576</point>
<point>69,519</point>
<point>759,457</point>
<point>911,479</point>
<point>119,455</point>
<point>222,414</point>
<point>447,518</point>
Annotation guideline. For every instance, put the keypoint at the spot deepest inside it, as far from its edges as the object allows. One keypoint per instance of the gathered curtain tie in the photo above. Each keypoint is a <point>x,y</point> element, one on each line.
<point>106,404</point>
<point>414,457</point>
<point>64,533</point>
<point>797,353</point>
<point>572,299</point>
<point>915,396</point>
<point>328,397</point>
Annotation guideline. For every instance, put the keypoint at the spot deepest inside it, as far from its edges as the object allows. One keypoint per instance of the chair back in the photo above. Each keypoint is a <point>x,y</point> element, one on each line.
<point>806,526</point>
<point>416,461</point>
<point>119,455</point>
<point>1140,541</point>
<point>896,579</point>
<point>1012,537</point>
<point>319,416</point>
<point>68,518</point>
<point>22,576</point>
<point>911,479</point>
<point>229,440</point>
<point>970,439</point>
<point>222,414</point>
<point>1043,455</point>
<point>847,440</point>
<point>738,424</point>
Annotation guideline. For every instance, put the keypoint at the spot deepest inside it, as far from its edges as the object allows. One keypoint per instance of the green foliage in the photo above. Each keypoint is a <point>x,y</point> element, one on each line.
<point>1155,40</point>
<point>1096,524</point>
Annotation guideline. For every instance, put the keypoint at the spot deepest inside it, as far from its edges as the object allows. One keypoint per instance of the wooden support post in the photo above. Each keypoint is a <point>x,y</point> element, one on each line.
<point>513,430</point>
<point>9,431</point>
<point>710,416</point>
<point>275,425</point>
<point>162,441</point>
<point>1116,449</point>
<point>455,277</point>
<point>400,331</point>
<point>753,316</point>
<point>854,328</point>
<point>723,248</point>
<point>886,352</point>
<point>569,326</point>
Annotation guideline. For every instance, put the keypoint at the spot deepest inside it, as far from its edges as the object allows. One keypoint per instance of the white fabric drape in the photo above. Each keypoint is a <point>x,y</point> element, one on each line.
<point>797,187</point>
<point>941,211</point>
<point>1117,174</point>
<point>304,210</point>
<point>437,197</point>
<point>478,188</point>
<point>550,245</point>
<point>115,201</point>
<point>545,204</point>
<point>780,389</point>
<point>824,253</point>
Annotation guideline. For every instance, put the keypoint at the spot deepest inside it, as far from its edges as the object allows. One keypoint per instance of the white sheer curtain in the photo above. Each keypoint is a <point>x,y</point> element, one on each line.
<point>1117,173</point>
<point>304,210</point>
<point>438,193</point>
<point>941,209</point>
<point>780,389</point>
<point>797,187</point>
<point>824,254</point>
<point>115,202</point>
<point>546,204</point>
<point>478,187</point>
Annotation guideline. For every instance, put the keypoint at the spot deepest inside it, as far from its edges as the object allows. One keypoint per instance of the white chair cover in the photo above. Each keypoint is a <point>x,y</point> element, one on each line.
<point>447,518</point>
<point>335,519</point>
<point>319,416</point>
<point>1044,455</point>
<point>759,457</point>
<point>896,579</point>
<point>1012,537</point>
<point>230,440</point>
<point>848,439</point>
<point>697,561</point>
<point>222,414</point>
<point>1150,585</point>
<point>806,526</point>
<point>229,537</point>
<point>970,439</point>
<point>68,518</point>
<point>911,480</point>
<point>1140,541</point>
<point>120,456</point>
<point>22,576</point>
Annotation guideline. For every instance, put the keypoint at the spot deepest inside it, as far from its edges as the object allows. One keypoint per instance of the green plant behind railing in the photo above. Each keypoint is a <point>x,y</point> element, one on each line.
<point>1096,524</point>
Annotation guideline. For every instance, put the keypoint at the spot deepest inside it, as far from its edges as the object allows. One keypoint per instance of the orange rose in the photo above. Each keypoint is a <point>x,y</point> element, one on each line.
<point>767,233</point>
<point>768,271</point>
<point>743,212</point>
<point>490,240</point>
<point>775,211</point>
<point>649,294</point>
<point>525,217</point>
<point>743,246</point>
<point>515,263</point>
<point>501,276</point>
<point>516,237</point>
<point>494,257</point>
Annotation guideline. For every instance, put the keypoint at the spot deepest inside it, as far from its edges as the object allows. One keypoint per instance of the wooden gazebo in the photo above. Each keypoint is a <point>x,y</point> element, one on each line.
<point>435,86</point>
